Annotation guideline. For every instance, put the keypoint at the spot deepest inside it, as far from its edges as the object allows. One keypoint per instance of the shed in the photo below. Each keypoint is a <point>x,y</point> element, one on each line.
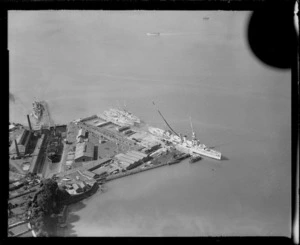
<point>89,174</point>
<point>84,152</point>
<point>81,185</point>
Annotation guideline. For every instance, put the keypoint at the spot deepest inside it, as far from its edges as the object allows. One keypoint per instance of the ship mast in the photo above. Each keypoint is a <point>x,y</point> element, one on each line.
<point>125,109</point>
<point>193,132</point>
<point>165,121</point>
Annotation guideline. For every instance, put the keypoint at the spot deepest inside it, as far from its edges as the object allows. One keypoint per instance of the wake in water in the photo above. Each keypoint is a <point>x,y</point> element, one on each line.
<point>172,33</point>
<point>179,33</point>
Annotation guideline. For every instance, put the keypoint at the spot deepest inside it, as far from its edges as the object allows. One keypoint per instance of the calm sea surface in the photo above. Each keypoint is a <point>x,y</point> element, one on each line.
<point>84,62</point>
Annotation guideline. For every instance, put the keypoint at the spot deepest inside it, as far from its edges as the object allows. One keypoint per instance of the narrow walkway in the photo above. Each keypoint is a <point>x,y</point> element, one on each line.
<point>17,224</point>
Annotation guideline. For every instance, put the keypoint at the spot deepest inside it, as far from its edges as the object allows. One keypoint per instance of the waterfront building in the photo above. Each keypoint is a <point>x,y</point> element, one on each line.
<point>22,143</point>
<point>84,152</point>
<point>139,153</point>
<point>133,157</point>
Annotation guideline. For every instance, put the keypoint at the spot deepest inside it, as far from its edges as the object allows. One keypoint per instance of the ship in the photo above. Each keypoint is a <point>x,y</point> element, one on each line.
<point>195,158</point>
<point>38,110</point>
<point>182,156</point>
<point>181,143</point>
<point>121,117</point>
<point>153,34</point>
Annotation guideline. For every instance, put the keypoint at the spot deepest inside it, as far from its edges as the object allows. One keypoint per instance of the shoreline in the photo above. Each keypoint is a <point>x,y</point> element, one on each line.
<point>60,231</point>
<point>134,171</point>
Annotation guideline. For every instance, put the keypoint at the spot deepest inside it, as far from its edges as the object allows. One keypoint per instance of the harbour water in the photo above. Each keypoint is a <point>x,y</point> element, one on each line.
<point>82,63</point>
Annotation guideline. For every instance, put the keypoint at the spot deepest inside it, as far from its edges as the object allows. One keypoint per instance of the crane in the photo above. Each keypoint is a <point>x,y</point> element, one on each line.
<point>165,120</point>
<point>193,133</point>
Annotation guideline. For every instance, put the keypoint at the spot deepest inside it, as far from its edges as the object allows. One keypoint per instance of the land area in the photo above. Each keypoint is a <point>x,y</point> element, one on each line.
<point>54,166</point>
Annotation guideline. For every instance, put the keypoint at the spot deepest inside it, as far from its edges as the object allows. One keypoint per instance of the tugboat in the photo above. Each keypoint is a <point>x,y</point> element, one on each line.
<point>153,34</point>
<point>182,156</point>
<point>195,158</point>
<point>174,161</point>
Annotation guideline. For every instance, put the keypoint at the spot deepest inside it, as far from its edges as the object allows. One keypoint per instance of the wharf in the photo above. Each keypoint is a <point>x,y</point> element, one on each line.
<point>134,171</point>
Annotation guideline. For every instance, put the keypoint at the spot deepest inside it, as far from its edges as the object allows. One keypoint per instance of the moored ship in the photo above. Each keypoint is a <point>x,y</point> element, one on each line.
<point>153,34</point>
<point>121,117</point>
<point>174,161</point>
<point>182,156</point>
<point>181,143</point>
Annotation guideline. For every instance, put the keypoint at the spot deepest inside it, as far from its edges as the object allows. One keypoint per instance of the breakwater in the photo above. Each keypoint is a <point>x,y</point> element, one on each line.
<point>134,171</point>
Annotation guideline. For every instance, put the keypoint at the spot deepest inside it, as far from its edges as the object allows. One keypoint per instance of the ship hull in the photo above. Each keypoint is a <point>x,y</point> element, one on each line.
<point>195,159</point>
<point>197,151</point>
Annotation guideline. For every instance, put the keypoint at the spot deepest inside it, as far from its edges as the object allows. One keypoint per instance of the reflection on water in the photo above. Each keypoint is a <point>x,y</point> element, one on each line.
<point>82,63</point>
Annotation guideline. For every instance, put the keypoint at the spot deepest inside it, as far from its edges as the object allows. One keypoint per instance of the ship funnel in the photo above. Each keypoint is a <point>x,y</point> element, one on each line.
<point>29,123</point>
<point>17,149</point>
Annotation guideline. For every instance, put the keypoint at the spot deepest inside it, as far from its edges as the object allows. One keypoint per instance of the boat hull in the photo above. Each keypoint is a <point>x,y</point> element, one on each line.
<point>197,151</point>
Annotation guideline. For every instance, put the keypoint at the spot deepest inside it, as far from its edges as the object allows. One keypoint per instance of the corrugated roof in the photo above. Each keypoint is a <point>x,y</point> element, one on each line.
<point>87,166</point>
<point>134,155</point>
<point>89,173</point>
<point>125,159</point>
<point>139,153</point>
<point>84,149</point>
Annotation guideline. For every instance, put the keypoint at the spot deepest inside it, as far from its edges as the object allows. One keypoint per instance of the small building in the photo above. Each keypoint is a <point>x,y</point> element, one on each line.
<point>81,185</point>
<point>124,165</point>
<point>22,142</point>
<point>100,172</point>
<point>84,152</point>
<point>69,163</point>
<point>90,174</point>
<point>77,188</point>
<point>121,129</point>
<point>70,157</point>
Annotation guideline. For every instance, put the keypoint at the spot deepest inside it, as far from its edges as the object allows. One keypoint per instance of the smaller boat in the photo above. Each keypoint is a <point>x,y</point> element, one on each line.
<point>182,156</point>
<point>206,18</point>
<point>195,158</point>
<point>174,161</point>
<point>153,34</point>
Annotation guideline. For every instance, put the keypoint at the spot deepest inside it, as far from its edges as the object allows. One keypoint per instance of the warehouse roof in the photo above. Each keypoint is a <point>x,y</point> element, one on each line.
<point>139,153</point>
<point>84,149</point>
<point>100,171</point>
<point>134,155</point>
